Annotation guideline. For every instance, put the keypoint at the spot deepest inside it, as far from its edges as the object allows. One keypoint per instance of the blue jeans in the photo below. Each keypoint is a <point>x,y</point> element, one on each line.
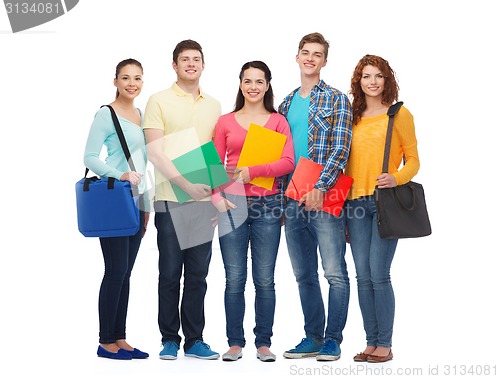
<point>119,255</point>
<point>372,259</point>
<point>305,232</point>
<point>193,262</point>
<point>257,223</point>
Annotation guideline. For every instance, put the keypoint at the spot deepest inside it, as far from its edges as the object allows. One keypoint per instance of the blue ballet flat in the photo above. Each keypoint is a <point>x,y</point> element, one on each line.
<point>137,354</point>
<point>120,354</point>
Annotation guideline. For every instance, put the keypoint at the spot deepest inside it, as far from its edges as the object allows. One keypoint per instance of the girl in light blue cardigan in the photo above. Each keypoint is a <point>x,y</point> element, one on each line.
<point>119,252</point>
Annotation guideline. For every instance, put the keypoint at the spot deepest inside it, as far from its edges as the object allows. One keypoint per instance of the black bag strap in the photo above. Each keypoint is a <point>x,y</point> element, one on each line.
<point>121,137</point>
<point>391,112</point>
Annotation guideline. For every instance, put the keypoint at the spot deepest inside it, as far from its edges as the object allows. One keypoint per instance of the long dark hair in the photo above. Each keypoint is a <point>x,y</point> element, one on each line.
<point>124,63</point>
<point>268,96</point>
<point>391,88</point>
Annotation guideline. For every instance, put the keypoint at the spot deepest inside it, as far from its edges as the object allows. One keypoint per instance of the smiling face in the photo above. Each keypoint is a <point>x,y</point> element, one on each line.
<point>372,81</point>
<point>253,85</point>
<point>311,58</point>
<point>129,81</point>
<point>189,65</point>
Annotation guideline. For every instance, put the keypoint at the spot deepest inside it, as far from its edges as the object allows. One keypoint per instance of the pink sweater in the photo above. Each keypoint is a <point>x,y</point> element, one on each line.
<point>229,137</point>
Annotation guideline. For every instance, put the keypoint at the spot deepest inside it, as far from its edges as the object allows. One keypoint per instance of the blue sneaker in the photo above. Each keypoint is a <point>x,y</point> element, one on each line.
<point>329,352</point>
<point>169,350</point>
<point>306,348</point>
<point>201,350</point>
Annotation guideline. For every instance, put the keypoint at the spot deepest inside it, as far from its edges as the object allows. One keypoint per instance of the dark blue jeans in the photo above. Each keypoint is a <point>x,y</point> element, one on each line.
<point>256,221</point>
<point>119,257</point>
<point>175,224</point>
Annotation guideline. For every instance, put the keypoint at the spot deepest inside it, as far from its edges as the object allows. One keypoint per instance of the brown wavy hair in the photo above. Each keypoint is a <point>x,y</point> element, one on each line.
<point>391,88</point>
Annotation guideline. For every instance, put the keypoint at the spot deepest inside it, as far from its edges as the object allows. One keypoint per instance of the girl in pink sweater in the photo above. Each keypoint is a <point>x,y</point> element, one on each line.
<point>249,213</point>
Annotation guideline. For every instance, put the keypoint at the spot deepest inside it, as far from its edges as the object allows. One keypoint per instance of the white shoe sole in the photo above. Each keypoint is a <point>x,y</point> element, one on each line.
<point>299,355</point>
<point>215,356</point>
<point>168,357</point>
<point>327,357</point>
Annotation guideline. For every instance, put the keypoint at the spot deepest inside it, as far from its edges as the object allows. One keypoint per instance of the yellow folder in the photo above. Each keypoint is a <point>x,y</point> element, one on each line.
<point>261,146</point>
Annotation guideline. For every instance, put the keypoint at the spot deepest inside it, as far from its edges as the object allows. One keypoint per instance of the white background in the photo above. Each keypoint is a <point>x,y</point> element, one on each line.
<point>54,78</point>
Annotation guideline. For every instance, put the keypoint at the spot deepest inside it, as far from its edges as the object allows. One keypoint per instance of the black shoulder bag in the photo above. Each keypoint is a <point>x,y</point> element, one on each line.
<point>401,210</point>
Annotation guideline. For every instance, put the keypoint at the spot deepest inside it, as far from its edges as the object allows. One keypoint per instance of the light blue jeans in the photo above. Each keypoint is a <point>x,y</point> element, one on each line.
<point>256,221</point>
<point>372,258</point>
<point>305,232</point>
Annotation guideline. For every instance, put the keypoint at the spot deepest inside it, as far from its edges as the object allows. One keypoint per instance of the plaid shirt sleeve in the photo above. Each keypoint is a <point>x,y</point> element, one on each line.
<point>330,132</point>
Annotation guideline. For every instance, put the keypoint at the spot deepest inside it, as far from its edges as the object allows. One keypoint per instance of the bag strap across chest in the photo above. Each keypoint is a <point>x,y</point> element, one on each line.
<point>391,112</point>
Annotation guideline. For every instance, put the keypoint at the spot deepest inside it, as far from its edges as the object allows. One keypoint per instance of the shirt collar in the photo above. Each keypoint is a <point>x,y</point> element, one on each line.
<point>321,85</point>
<point>180,92</point>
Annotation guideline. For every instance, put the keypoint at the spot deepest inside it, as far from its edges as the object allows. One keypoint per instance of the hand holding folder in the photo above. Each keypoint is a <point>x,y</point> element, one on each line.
<point>261,146</point>
<point>304,179</point>
<point>201,165</point>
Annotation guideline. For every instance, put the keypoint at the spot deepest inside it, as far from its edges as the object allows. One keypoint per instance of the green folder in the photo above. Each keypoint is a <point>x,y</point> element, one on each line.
<point>201,165</point>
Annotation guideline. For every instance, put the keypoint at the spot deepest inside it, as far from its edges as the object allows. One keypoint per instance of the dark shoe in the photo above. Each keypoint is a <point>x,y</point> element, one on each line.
<point>379,359</point>
<point>137,354</point>
<point>120,354</point>
<point>361,357</point>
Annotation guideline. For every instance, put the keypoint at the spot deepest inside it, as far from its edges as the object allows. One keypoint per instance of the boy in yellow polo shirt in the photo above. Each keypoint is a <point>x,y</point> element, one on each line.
<point>176,121</point>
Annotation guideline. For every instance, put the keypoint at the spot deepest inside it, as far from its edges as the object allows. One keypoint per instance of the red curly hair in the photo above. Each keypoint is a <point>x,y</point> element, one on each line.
<point>391,88</point>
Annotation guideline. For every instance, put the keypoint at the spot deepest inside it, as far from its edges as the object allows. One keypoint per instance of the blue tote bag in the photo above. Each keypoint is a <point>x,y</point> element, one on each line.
<point>108,207</point>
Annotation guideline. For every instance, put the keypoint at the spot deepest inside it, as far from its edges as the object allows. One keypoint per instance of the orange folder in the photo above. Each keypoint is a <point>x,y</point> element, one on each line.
<point>304,179</point>
<point>261,146</point>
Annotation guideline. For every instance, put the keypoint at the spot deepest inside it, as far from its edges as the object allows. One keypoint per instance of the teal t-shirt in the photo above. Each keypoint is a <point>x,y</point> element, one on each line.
<point>298,118</point>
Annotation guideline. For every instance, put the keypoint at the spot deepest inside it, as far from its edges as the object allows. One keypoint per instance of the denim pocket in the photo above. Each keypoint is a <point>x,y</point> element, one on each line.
<point>273,206</point>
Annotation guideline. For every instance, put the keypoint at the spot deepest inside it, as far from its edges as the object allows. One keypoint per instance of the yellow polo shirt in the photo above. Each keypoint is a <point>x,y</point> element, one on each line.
<point>367,152</point>
<point>187,123</point>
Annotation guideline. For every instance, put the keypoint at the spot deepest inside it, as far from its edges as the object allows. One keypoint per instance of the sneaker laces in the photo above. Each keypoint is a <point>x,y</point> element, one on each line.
<point>204,344</point>
<point>305,342</point>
